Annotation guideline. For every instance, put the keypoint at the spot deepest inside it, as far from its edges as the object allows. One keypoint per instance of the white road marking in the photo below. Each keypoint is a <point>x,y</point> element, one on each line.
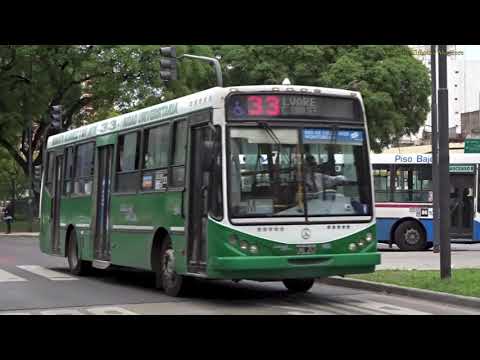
<point>61,312</point>
<point>5,276</point>
<point>292,310</point>
<point>47,273</point>
<point>348,308</point>
<point>389,309</point>
<point>110,310</point>
<point>15,313</point>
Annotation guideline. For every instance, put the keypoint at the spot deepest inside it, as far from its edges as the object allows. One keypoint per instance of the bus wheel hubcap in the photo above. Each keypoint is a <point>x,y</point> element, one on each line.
<point>412,237</point>
<point>169,267</point>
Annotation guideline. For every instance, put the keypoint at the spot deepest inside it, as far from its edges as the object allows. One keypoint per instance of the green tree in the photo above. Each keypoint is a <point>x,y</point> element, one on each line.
<point>395,86</point>
<point>91,82</point>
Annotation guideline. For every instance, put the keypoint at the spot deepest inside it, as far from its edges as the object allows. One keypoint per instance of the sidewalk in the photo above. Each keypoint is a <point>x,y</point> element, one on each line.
<point>464,256</point>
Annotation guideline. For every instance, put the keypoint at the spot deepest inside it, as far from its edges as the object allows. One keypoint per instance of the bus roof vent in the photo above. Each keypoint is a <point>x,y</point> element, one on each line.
<point>286,82</point>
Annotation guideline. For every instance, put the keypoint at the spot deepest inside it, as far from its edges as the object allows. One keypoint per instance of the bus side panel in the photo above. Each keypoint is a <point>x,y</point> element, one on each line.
<point>476,229</point>
<point>78,212</point>
<point>132,247</point>
<point>384,229</point>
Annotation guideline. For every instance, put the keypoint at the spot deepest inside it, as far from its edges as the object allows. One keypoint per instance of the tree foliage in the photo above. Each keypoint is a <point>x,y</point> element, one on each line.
<point>395,86</point>
<point>94,82</point>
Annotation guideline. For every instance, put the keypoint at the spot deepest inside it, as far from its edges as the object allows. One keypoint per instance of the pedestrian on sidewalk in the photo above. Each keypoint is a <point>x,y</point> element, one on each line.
<point>8,216</point>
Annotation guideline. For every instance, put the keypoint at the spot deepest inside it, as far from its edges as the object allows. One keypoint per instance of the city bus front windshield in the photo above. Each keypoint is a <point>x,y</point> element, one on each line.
<point>298,173</point>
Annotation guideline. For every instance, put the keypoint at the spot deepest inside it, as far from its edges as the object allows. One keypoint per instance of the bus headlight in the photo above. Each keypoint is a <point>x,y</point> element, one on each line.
<point>253,249</point>
<point>352,247</point>
<point>369,237</point>
<point>233,240</point>
<point>361,243</point>
<point>243,245</point>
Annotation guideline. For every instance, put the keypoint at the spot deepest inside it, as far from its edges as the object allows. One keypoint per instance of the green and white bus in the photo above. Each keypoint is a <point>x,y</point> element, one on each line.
<point>266,183</point>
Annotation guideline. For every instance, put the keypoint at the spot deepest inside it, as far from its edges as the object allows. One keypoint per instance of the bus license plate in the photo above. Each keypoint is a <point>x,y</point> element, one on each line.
<point>306,249</point>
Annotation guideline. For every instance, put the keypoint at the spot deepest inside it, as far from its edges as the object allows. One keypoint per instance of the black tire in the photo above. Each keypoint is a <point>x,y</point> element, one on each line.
<point>410,236</point>
<point>299,285</point>
<point>173,284</point>
<point>428,246</point>
<point>77,266</point>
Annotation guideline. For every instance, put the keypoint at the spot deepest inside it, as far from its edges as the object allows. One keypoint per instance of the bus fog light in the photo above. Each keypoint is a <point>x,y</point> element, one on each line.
<point>233,240</point>
<point>253,249</point>
<point>352,247</point>
<point>243,245</point>
<point>369,237</point>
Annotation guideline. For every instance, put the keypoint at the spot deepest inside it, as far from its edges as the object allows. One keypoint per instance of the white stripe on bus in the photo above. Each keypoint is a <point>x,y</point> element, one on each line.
<point>47,273</point>
<point>132,227</point>
<point>174,228</point>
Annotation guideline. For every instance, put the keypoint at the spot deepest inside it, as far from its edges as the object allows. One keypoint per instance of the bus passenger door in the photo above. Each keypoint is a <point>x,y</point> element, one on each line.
<point>461,206</point>
<point>103,171</point>
<point>198,186</point>
<point>55,208</point>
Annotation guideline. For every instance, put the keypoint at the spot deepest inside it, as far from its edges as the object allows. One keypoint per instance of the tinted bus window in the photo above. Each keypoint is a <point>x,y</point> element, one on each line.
<point>156,147</point>
<point>84,169</point>
<point>413,183</point>
<point>179,153</point>
<point>155,159</point>
<point>69,159</point>
<point>128,162</point>
<point>381,180</point>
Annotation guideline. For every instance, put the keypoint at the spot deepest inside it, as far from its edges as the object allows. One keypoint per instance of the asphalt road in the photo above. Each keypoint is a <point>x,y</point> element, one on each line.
<point>34,283</point>
<point>463,256</point>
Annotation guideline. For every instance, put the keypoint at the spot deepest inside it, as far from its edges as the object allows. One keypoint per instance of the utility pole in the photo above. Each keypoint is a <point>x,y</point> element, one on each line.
<point>435,169</point>
<point>444,161</point>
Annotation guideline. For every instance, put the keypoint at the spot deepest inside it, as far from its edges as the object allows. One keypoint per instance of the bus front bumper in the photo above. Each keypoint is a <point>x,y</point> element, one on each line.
<point>292,267</point>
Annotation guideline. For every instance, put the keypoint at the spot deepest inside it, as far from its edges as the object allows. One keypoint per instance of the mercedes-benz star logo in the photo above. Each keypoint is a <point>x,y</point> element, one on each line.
<point>306,233</point>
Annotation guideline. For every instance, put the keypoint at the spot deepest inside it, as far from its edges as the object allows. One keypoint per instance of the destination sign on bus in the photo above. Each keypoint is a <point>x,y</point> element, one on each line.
<point>244,107</point>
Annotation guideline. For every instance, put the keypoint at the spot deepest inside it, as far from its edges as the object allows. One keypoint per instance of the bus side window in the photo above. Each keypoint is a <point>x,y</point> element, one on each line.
<point>155,158</point>
<point>69,158</point>
<point>381,179</point>
<point>177,177</point>
<point>83,180</point>
<point>128,160</point>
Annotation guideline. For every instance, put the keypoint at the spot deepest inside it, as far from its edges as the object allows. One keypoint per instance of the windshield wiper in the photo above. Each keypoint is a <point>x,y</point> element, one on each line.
<point>268,129</point>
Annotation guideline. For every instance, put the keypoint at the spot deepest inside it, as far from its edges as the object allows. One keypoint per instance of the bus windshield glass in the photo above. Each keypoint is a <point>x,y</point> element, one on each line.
<point>279,172</point>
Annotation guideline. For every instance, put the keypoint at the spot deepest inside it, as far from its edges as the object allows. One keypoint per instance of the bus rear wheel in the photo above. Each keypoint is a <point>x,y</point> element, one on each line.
<point>167,278</point>
<point>77,266</point>
<point>409,236</point>
<point>299,285</point>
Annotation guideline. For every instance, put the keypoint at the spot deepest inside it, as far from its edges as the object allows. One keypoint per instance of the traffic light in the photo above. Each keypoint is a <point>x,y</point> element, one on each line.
<point>37,177</point>
<point>56,117</point>
<point>37,172</point>
<point>168,64</point>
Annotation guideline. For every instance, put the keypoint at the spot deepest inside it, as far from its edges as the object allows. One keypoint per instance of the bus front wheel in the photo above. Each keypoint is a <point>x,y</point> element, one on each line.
<point>76,265</point>
<point>167,278</point>
<point>409,236</point>
<point>299,285</point>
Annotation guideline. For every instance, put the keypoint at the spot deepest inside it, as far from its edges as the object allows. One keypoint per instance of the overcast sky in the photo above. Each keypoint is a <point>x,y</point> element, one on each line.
<point>472,52</point>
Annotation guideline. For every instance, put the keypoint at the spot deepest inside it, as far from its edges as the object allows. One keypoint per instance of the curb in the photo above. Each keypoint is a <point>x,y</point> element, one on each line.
<point>460,300</point>
<point>19,235</point>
